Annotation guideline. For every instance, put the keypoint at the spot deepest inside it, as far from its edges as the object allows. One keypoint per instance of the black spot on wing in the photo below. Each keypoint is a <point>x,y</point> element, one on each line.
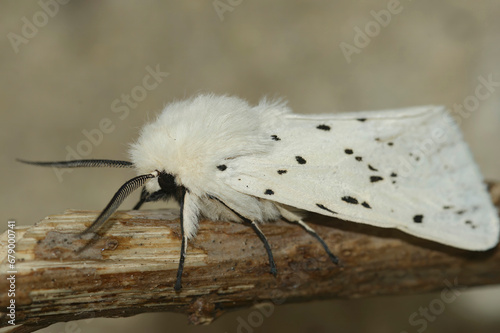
<point>323,127</point>
<point>460,212</point>
<point>269,192</point>
<point>470,224</point>
<point>447,207</point>
<point>300,160</point>
<point>350,200</point>
<point>418,218</point>
<point>359,158</point>
<point>324,208</point>
<point>222,167</point>
<point>394,174</point>
<point>361,119</point>
<point>371,168</point>
<point>349,151</point>
<point>280,172</point>
<point>390,144</point>
<point>366,205</point>
<point>375,179</point>
<point>275,137</point>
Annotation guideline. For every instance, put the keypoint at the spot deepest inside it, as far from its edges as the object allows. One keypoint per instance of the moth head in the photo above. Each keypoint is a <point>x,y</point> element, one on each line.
<point>190,138</point>
<point>163,187</point>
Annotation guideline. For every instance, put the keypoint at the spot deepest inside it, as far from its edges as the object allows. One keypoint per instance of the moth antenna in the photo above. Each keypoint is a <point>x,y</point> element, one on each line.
<point>117,200</point>
<point>82,163</point>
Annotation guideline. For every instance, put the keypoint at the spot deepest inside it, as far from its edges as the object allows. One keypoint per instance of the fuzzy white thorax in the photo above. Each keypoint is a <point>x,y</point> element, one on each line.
<point>190,138</point>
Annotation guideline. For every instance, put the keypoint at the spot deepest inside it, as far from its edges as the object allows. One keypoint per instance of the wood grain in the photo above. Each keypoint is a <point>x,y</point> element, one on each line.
<point>131,267</point>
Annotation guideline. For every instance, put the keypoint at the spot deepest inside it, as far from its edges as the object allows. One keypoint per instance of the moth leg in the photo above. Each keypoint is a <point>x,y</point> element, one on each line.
<point>142,199</point>
<point>290,217</point>
<point>180,269</point>
<point>259,233</point>
<point>178,285</point>
<point>263,239</point>
<point>149,197</point>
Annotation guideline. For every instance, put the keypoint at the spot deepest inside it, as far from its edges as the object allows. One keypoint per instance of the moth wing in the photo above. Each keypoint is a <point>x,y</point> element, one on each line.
<point>407,169</point>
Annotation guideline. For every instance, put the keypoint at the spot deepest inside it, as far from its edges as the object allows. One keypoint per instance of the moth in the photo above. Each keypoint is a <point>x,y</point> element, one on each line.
<point>223,159</point>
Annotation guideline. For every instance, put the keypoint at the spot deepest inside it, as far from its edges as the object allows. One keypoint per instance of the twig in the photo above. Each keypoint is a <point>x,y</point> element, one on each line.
<point>131,268</point>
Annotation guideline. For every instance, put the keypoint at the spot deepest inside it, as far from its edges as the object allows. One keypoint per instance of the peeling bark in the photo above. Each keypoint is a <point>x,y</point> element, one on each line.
<point>131,267</point>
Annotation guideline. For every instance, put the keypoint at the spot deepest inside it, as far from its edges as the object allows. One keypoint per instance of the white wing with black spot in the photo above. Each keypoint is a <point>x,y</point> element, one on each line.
<point>407,169</point>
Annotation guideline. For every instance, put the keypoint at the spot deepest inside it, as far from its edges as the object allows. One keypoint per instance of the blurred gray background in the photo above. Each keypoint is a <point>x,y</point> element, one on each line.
<point>66,67</point>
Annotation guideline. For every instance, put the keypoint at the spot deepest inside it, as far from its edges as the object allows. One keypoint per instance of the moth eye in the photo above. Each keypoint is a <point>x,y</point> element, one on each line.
<point>167,182</point>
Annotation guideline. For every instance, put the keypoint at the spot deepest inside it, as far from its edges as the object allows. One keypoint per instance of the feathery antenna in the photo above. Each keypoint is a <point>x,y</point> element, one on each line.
<point>82,164</point>
<point>117,199</point>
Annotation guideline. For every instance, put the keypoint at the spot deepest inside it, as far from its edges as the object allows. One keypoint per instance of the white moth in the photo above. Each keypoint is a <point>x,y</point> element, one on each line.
<point>225,160</point>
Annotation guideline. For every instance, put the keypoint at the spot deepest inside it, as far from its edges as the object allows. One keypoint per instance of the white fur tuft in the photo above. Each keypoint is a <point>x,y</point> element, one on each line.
<point>189,139</point>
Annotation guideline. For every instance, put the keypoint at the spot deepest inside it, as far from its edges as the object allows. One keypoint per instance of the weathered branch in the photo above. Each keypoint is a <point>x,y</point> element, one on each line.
<point>131,269</point>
